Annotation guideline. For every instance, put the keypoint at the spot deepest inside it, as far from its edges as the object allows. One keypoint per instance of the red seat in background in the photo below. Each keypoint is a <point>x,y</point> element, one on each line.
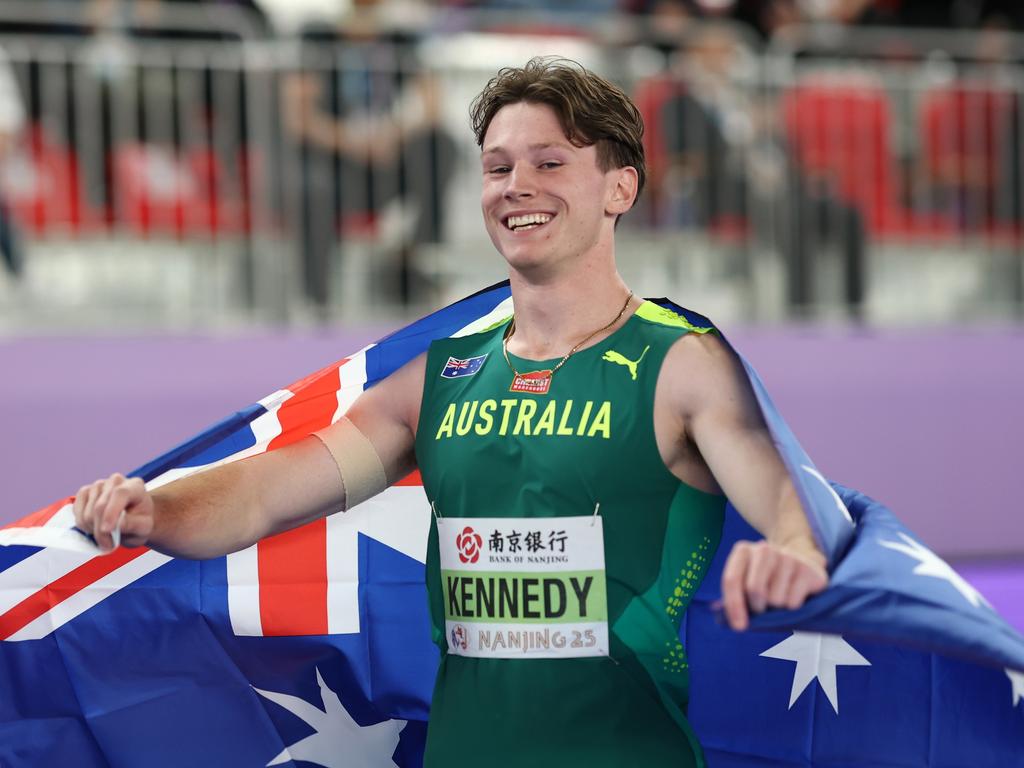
<point>159,191</point>
<point>42,185</point>
<point>839,131</point>
<point>967,129</point>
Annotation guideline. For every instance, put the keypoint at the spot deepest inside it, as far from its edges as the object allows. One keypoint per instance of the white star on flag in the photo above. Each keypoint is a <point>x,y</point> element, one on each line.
<point>1017,684</point>
<point>816,656</point>
<point>934,566</point>
<point>337,740</point>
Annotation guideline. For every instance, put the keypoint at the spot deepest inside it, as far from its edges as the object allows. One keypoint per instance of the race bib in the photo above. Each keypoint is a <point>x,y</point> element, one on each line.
<point>516,587</point>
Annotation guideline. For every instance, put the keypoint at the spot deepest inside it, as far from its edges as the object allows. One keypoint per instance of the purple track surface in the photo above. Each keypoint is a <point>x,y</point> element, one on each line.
<point>1002,584</point>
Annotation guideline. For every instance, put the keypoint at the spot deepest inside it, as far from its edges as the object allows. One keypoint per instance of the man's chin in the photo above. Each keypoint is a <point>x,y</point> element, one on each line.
<point>538,271</point>
<point>527,261</point>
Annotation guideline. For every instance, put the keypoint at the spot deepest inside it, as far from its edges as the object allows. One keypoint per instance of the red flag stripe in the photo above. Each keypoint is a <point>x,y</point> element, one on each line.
<point>314,380</point>
<point>413,478</point>
<point>292,565</point>
<point>56,592</point>
<point>293,581</point>
<point>309,409</point>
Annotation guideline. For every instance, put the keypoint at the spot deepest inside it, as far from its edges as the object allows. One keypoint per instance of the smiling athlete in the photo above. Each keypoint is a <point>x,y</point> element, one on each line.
<point>575,456</point>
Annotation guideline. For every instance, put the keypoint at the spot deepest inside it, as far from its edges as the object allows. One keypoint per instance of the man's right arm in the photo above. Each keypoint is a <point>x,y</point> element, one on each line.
<point>231,507</point>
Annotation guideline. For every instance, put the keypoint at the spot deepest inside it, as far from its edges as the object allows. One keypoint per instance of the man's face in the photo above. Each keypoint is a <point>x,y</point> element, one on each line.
<point>544,200</point>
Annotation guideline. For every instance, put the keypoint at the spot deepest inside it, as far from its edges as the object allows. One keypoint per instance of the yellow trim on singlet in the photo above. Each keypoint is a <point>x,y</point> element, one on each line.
<point>495,324</point>
<point>662,316</point>
<point>649,311</point>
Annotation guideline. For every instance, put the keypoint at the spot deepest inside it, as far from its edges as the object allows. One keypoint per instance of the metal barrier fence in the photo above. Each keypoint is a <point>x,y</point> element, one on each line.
<point>168,180</point>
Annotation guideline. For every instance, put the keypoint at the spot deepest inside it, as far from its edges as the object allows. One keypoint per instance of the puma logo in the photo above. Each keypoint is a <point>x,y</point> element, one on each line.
<point>612,356</point>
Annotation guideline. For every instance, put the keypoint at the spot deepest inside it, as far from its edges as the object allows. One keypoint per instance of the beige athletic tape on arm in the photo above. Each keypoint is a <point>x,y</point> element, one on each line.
<point>361,470</point>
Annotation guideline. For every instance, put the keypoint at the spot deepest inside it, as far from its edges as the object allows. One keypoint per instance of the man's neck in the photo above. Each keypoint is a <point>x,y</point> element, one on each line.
<point>554,315</point>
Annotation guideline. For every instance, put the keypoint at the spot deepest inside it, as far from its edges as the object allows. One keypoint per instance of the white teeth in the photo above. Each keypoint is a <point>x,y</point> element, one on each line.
<point>527,220</point>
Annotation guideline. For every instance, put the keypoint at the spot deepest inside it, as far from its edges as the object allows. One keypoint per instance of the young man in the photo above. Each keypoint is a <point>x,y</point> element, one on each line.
<point>589,438</point>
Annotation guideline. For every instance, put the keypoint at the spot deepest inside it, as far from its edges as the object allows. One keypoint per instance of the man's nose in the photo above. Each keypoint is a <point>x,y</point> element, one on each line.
<point>520,183</point>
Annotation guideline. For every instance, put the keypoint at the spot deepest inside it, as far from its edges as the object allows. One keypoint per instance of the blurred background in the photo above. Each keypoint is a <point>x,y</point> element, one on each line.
<point>203,201</point>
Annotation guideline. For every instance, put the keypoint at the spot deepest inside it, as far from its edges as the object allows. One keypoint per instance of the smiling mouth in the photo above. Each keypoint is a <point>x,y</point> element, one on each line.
<point>527,221</point>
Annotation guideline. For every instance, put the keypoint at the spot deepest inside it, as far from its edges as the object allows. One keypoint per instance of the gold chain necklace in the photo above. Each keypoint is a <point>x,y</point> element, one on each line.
<point>539,382</point>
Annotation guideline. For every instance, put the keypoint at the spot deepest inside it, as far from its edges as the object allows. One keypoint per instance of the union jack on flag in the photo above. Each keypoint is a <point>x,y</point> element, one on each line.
<point>314,645</point>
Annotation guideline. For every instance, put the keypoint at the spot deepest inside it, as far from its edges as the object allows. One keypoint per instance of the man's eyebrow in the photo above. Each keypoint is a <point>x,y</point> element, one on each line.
<point>497,150</point>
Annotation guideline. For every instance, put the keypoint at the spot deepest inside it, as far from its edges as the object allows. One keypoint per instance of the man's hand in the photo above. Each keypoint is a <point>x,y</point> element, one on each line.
<point>761,575</point>
<point>117,503</point>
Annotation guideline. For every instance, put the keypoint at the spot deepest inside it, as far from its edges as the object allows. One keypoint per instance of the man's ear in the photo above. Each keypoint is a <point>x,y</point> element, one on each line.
<point>624,191</point>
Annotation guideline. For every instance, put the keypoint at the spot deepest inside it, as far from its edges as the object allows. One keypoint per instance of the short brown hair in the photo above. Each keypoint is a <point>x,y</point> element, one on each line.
<point>591,110</point>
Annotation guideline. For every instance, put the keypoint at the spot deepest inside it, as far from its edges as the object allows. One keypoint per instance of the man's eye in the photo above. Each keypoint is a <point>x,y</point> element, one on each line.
<point>498,169</point>
<point>550,164</point>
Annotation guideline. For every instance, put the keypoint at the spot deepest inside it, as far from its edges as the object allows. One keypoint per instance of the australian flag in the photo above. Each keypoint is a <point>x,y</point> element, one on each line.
<point>458,367</point>
<point>313,647</point>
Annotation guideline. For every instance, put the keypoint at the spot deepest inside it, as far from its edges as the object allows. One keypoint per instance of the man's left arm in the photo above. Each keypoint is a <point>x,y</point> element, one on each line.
<point>721,417</point>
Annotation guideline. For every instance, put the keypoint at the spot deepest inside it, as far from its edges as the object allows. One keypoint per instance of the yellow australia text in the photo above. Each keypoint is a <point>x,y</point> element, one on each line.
<point>556,418</point>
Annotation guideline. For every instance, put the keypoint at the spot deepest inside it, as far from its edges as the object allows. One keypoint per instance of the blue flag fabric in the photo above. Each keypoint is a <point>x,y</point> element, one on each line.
<point>136,659</point>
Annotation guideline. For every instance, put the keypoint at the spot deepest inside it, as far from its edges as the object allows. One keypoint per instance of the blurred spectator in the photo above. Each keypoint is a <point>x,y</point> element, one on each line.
<point>704,125</point>
<point>225,19</point>
<point>667,24</point>
<point>562,7</point>
<point>365,120</point>
<point>12,122</point>
<point>836,134</point>
<point>836,11</point>
<point>697,9</point>
<point>172,19</point>
<point>935,14</point>
<point>719,163</point>
<point>768,16</point>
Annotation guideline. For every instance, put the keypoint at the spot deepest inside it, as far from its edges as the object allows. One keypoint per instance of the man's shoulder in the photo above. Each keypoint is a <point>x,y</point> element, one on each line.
<point>700,360</point>
<point>697,347</point>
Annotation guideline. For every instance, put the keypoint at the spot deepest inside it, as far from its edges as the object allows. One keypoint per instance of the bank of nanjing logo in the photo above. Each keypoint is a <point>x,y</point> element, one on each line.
<point>460,637</point>
<point>457,367</point>
<point>468,543</point>
<point>531,542</point>
<point>611,356</point>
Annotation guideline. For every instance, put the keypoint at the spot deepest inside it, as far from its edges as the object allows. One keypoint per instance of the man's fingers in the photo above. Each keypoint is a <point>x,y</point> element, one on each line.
<point>135,529</point>
<point>101,508</point>
<point>89,513</point>
<point>83,507</point>
<point>118,500</point>
<point>782,583</point>
<point>734,600</point>
<point>111,503</point>
<point>100,511</point>
<point>760,575</point>
<point>807,580</point>
<point>760,567</point>
<point>78,504</point>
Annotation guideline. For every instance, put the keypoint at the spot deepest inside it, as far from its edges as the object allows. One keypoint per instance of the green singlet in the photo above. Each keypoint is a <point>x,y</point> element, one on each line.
<point>586,445</point>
